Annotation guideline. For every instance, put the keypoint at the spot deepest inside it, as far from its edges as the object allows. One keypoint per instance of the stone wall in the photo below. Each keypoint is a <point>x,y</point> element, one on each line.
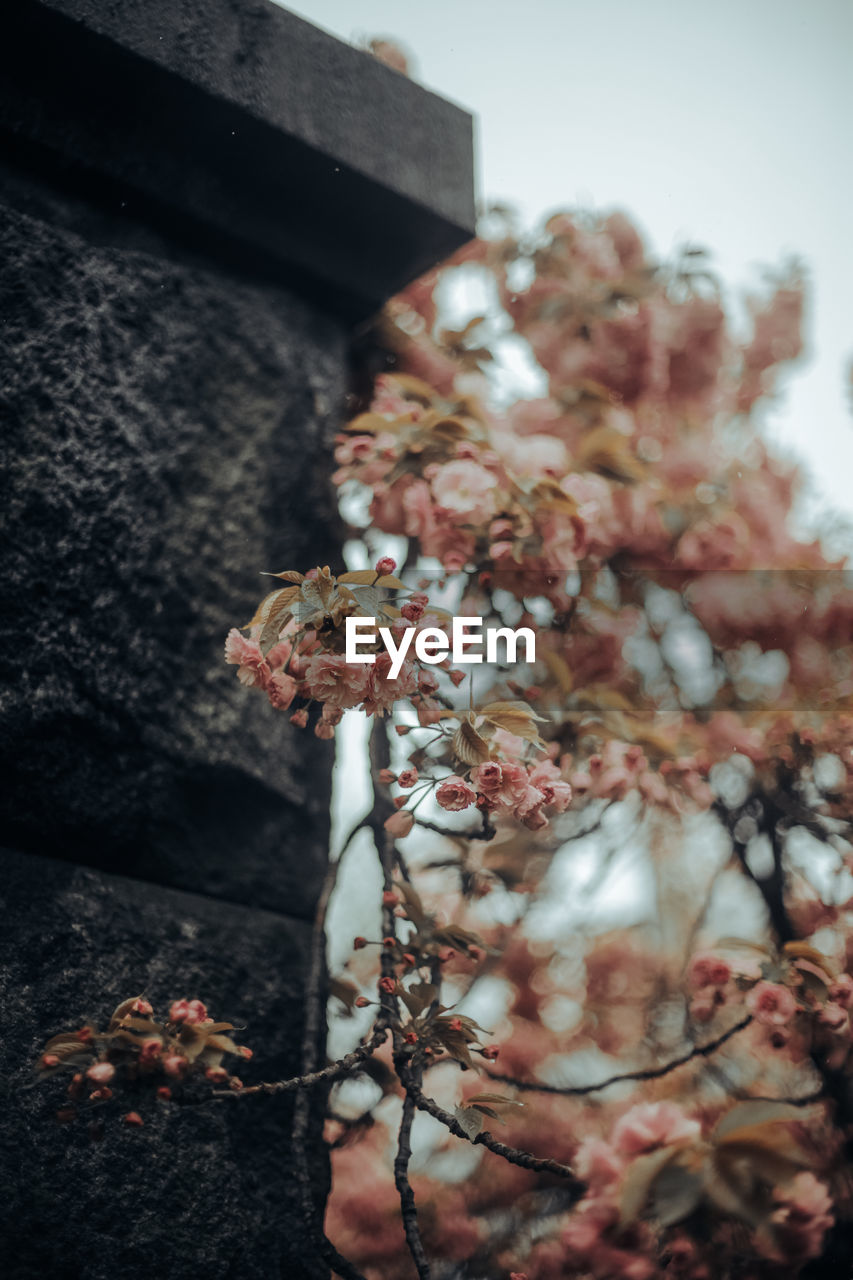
<point>175,318</point>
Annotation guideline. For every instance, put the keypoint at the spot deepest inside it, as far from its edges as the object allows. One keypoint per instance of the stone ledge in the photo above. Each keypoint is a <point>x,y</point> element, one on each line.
<point>243,125</point>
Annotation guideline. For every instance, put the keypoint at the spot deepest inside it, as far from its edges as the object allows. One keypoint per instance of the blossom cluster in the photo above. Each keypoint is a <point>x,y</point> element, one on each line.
<point>295,650</point>
<point>622,467</point>
<point>137,1050</point>
<point>656,1158</point>
<point>639,371</point>
<point>523,792</point>
<point>694,655</point>
<point>799,1000</point>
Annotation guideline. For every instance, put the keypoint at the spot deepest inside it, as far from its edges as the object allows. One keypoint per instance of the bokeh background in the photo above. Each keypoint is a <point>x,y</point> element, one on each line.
<point>724,125</point>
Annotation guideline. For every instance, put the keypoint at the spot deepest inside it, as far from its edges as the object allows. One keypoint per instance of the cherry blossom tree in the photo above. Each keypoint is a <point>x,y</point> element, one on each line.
<point>647,888</point>
<point>629,860</point>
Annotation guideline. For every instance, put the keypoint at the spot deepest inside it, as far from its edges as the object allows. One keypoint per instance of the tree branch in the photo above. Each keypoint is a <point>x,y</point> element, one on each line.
<point>404,1187</point>
<point>645,1073</point>
<point>513,1155</point>
<point>485,832</point>
<point>340,1265</point>
<point>334,1071</point>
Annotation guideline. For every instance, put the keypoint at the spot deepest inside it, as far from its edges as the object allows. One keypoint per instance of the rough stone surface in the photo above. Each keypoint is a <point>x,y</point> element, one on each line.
<point>252,125</point>
<point>201,1189</point>
<point>166,436</point>
<point>199,197</point>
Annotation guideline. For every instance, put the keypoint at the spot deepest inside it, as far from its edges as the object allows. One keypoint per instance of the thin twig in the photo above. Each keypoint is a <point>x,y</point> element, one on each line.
<point>340,1265</point>
<point>344,1066</point>
<point>361,825</point>
<point>485,832</point>
<point>805,1101</point>
<point>513,1155</point>
<point>645,1073</point>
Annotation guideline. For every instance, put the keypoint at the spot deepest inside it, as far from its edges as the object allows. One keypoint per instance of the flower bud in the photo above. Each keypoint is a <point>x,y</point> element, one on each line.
<point>101,1072</point>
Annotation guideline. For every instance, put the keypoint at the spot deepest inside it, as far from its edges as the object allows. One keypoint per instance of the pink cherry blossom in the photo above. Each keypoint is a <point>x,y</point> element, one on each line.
<point>466,491</point>
<point>150,1051</point>
<point>488,777</point>
<point>598,1164</point>
<point>801,1221</point>
<point>191,1012</point>
<point>771,1003</point>
<point>708,970</point>
<point>381,691</point>
<point>101,1072</point>
<point>332,680</point>
<point>281,689</point>
<point>454,794</point>
<point>556,791</point>
<point>651,1125</point>
<point>834,1017</point>
<point>247,656</point>
<point>841,991</point>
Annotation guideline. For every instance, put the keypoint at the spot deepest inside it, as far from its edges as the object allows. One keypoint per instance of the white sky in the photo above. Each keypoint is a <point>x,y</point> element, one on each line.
<point>722,122</point>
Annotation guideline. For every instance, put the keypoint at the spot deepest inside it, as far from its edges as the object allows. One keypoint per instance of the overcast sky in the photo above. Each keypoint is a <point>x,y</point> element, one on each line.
<point>724,123</point>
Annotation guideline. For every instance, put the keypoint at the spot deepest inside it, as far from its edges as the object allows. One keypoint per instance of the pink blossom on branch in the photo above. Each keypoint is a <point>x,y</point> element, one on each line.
<point>771,1004</point>
<point>455,794</point>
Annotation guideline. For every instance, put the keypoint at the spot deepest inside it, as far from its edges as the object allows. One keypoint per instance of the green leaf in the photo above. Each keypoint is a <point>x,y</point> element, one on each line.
<point>746,1115</point>
<point>494,1099</point>
<point>675,1193</point>
<point>471,1121</point>
<point>639,1179</point>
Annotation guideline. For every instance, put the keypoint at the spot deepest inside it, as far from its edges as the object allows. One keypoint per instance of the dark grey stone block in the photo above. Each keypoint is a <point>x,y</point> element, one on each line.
<point>238,124</point>
<point>199,198</point>
<point>166,434</point>
<point>201,1189</point>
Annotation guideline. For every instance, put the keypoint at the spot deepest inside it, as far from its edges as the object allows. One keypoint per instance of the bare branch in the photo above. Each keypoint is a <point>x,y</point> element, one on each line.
<point>484,832</point>
<point>335,1071</point>
<point>645,1073</point>
<point>513,1155</point>
<point>404,1187</point>
<point>340,1265</point>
